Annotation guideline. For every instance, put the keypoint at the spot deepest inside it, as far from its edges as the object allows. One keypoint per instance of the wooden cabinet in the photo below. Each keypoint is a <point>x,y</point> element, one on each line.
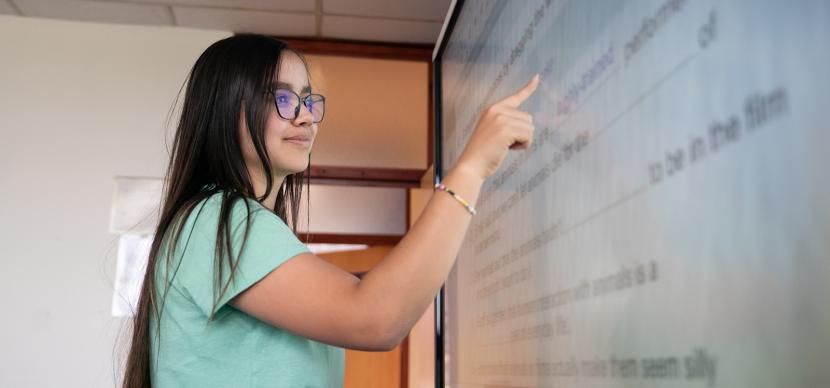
<point>371,369</point>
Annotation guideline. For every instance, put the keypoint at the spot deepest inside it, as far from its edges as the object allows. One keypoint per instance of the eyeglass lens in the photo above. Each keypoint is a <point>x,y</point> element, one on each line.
<point>288,105</point>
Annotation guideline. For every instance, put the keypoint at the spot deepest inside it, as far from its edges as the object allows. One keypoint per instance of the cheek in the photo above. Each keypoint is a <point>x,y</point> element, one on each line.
<point>275,128</point>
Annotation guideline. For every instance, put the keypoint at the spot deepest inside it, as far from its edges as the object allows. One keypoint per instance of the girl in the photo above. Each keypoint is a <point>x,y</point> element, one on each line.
<point>231,297</point>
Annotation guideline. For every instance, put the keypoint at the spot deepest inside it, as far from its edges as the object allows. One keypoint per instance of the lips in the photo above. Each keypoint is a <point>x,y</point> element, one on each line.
<point>300,140</point>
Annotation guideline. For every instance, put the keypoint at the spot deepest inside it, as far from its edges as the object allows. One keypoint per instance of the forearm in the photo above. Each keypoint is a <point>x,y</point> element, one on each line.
<point>401,287</point>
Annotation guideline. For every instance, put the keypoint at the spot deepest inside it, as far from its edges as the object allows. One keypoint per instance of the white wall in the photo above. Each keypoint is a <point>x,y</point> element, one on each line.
<point>79,104</point>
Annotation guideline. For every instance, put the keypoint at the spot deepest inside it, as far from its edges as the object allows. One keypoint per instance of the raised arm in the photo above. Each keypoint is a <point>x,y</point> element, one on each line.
<point>312,298</point>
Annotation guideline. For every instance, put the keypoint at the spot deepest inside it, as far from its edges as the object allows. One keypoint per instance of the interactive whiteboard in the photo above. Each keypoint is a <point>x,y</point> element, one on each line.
<point>670,226</point>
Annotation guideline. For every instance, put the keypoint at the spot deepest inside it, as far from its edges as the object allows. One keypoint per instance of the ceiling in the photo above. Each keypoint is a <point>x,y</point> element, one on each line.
<point>398,21</point>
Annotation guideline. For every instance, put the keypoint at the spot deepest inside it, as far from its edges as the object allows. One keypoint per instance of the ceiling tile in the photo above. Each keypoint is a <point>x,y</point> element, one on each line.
<point>6,8</point>
<point>434,10</point>
<point>384,30</point>
<point>98,11</point>
<point>272,23</point>
<point>262,5</point>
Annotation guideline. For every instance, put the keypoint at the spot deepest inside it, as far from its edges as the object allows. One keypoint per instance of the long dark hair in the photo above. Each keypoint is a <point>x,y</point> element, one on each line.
<point>206,158</point>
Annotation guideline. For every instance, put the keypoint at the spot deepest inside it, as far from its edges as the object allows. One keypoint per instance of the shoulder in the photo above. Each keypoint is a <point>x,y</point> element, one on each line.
<point>234,221</point>
<point>220,202</point>
<point>240,212</point>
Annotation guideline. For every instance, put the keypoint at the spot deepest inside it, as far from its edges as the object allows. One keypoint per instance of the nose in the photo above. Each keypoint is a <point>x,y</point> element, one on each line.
<point>304,116</point>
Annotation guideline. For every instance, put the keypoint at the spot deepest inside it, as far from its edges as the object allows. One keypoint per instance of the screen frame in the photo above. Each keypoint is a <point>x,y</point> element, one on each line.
<point>446,32</point>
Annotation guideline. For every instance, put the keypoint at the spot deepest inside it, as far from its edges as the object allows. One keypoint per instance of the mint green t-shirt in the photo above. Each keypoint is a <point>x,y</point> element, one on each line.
<point>234,349</point>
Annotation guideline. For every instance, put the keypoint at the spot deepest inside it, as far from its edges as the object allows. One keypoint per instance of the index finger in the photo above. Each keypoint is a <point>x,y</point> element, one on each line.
<point>516,99</point>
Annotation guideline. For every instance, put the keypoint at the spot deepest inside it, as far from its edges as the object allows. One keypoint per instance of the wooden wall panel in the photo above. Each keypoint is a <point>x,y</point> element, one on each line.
<point>359,261</point>
<point>369,369</point>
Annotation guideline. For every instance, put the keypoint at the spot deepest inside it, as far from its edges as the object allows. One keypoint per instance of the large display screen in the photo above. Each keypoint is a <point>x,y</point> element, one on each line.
<point>670,226</point>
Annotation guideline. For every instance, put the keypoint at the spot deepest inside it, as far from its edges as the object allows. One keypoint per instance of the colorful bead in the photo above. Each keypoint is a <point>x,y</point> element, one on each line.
<point>470,208</point>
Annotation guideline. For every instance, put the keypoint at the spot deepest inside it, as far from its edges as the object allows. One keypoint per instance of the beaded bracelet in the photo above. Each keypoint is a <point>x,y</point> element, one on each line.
<point>470,208</point>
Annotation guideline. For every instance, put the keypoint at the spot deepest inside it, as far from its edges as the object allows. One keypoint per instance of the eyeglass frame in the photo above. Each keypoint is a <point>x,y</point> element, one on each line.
<point>302,102</point>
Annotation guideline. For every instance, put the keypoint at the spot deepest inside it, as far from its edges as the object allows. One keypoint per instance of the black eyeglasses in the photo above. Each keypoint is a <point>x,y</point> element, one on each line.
<point>288,104</point>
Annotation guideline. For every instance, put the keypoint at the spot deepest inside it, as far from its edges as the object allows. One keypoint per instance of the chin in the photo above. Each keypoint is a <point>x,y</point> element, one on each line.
<point>291,161</point>
<point>299,170</point>
<point>292,168</point>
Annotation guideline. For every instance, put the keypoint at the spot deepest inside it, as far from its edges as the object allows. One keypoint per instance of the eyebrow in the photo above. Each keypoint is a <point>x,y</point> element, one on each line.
<point>284,85</point>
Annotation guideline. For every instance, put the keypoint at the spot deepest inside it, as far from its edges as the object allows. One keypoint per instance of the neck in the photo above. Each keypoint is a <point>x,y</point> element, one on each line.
<point>259,182</point>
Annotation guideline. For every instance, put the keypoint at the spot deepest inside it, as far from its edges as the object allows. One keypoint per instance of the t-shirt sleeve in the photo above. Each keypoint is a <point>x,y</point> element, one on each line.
<point>270,243</point>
